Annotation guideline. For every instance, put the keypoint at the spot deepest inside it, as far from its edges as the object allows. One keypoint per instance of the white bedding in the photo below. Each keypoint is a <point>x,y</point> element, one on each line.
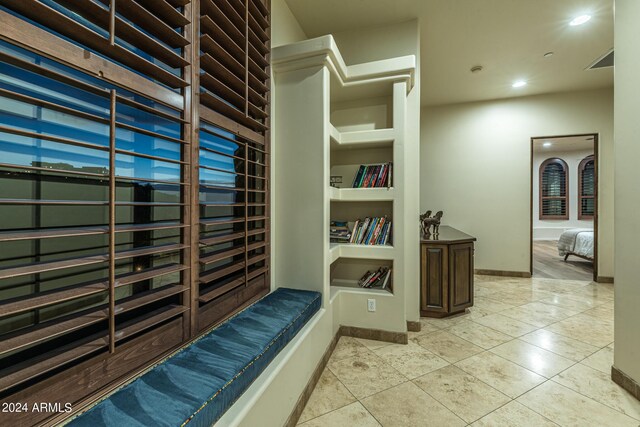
<point>577,241</point>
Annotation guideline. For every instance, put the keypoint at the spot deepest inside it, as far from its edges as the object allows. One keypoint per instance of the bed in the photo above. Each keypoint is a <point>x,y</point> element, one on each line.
<point>578,242</point>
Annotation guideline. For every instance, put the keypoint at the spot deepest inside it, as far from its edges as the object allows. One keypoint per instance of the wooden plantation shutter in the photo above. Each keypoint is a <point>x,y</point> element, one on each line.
<point>554,189</point>
<point>586,189</point>
<point>134,185</point>
<point>234,82</point>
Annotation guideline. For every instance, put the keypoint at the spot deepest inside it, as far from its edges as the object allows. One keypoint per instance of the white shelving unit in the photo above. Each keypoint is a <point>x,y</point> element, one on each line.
<point>332,118</point>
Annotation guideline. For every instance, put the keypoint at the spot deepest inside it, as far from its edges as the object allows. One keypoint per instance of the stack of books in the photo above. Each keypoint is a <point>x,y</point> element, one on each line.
<point>371,231</point>
<point>376,279</point>
<point>373,176</point>
<point>339,232</point>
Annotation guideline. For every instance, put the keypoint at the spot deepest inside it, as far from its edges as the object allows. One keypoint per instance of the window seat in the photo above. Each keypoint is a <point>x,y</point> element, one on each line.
<point>197,384</point>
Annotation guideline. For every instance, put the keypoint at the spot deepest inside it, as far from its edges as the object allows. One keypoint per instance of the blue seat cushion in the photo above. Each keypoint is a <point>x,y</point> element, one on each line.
<point>200,382</point>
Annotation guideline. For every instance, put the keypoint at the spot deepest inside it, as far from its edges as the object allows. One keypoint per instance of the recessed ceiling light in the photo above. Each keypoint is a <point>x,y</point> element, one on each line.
<point>519,83</point>
<point>579,20</point>
<point>547,144</point>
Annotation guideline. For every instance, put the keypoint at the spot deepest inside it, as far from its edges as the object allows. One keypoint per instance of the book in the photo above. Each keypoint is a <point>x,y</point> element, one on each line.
<point>373,176</point>
<point>376,233</point>
<point>356,180</point>
<point>339,232</point>
<point>353,234</point>
<point>379,278</point>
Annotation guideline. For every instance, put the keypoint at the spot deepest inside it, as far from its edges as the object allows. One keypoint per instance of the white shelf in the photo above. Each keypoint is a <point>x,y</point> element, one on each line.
<point>334,252</point>
<point>361,139</point>
<point>361,194</point>
<point>349,250</point>
<point>355,289</point>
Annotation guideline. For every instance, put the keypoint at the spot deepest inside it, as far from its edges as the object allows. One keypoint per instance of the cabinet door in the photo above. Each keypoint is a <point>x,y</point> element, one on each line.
<point>434,279</point>
<point>461,276</point>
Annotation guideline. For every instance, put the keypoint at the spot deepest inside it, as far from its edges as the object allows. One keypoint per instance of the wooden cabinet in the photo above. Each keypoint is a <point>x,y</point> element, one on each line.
<point>446,276</point>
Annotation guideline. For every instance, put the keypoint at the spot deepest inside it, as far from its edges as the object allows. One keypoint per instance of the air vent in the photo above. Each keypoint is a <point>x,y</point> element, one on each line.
<point>604,61</point>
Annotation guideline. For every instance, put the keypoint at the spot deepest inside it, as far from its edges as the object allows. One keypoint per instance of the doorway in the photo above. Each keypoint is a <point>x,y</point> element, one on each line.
<point>564,207</point>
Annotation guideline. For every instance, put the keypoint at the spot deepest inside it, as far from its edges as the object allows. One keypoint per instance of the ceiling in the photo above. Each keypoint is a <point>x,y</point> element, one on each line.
<point>508,38</point>
<point>570,143</point>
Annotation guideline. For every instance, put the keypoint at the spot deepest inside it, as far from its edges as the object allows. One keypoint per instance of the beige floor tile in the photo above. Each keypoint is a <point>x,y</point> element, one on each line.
<point>328,395</point>
<point>568,408</point>
<point>556,285</point>
<point>530,295</point>
<point>514,298</point>
<point>353,415</point>
<point>372,344</point>
<point>479,335</point>
<point>501,374</point>
<point>513,414</point>
<point>595,299</point>
<point>599,386</point>
<point>559,344</point>
<point>604,311</point>
<point>476,313</point>
<point>411,360</point>
<point>588,329</point>
<point>482,291</point>
<point>348,347</point>
<point>444,323</point>
<point>488,304</point>
<point>407,405</point>
<point>602,360</point>
<point>448,346</point>
<point>465,395</point>
<point>539,314</point>
<point>425,328</point>
<point>506,325</point>
<point>601,291</point>
<point>536,359</point>
<point>365,374</point>
<point>567,301</point>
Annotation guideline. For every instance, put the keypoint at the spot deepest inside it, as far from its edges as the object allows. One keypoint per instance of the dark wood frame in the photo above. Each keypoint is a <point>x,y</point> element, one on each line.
<point>541,198</point>
<point>86,381</point>
<point>596,150</point>
<point>581,167</point>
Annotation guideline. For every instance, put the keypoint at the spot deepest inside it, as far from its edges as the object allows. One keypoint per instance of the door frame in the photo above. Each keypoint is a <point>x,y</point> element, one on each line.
<point>596,196</point>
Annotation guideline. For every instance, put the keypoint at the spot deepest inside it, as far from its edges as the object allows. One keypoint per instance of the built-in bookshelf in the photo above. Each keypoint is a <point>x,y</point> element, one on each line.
<point>360,121</point>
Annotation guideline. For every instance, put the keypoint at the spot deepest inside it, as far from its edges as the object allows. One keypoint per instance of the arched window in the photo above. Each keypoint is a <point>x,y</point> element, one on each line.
<point>586,188</point>
<point>554,189</point>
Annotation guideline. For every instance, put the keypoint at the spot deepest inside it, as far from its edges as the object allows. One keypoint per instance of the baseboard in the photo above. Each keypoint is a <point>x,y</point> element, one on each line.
<point>374,334</point>
<point>311,384</point>
<point>626,382</point>
<point>414,326</point>
<point>503,273</point>
<point>604,279</point>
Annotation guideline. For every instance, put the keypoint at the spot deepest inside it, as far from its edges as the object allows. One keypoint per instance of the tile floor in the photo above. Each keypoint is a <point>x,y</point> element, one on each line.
<point>531,352</point>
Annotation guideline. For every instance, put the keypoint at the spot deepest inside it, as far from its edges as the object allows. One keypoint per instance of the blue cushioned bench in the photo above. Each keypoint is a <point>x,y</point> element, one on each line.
<point>200,382</point>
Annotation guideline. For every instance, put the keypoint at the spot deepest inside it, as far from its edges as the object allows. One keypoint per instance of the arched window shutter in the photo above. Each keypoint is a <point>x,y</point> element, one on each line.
<point>554,189</point>
<point>586,188</point>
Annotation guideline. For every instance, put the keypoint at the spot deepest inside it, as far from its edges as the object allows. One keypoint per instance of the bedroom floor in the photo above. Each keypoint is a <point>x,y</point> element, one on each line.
<point>549,265</point>
<point>531,352</point>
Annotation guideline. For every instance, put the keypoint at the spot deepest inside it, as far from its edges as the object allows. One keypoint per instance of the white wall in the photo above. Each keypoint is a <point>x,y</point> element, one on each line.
<point>475,165</point>
<point>285,28</point>
<point>550,229</point>
<point>627,191</point>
